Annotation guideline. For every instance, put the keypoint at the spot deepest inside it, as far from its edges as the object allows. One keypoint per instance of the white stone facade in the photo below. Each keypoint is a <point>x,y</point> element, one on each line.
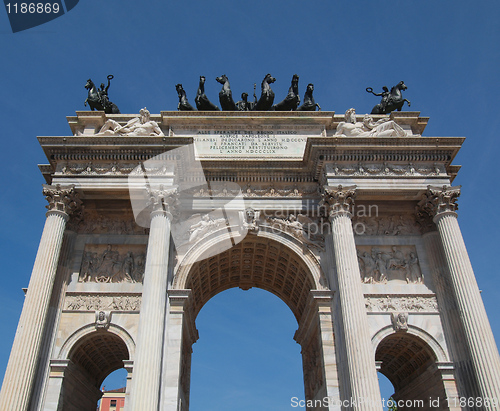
<point>357,234</point>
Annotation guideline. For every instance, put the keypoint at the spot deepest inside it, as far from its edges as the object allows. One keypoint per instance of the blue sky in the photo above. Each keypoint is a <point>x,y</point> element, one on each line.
<point>446,52</point>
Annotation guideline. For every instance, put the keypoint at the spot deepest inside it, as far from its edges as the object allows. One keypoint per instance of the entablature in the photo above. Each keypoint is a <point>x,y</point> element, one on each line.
<point>100,163</point>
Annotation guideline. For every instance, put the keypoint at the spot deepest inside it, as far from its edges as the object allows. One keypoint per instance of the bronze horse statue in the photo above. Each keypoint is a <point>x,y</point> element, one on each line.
<point>267,94</point>
<point>309,103</point>
<point>201,99</point>
<point>225,95</point>
<point>98,98</point>
<point>391,101</point>
<point>292,100</point>
<point>183,101</point>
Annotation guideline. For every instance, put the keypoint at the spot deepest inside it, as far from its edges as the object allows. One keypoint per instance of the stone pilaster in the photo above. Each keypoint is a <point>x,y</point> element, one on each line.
<point>440,202</point>
<point>145,390</point>
<point>316,337</point>
<point>180,335</point>
<point>19,377</point>
<point>362,377</point>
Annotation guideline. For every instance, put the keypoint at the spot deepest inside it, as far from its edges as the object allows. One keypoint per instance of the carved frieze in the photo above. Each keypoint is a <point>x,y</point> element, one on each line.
<point>388,303</point>
<point>102,302</point>
<point>387,169</point>
<point>380,264</point>
<point>113,263</point>
<point>95,168</point>
<point>94,222</point>
<point>257,191</point>
<point>389,225</point>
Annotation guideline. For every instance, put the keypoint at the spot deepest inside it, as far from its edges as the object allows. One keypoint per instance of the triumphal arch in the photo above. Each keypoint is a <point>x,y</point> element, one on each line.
<point>351,220</point>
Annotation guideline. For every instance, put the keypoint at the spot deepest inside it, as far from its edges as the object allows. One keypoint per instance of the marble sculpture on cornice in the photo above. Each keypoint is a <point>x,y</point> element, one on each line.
<point>138,126</point>
<point>368,128</point>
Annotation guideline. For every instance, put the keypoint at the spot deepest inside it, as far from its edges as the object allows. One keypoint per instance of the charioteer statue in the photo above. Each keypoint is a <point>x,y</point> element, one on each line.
<point>391,100</point>
<point>98,97</point>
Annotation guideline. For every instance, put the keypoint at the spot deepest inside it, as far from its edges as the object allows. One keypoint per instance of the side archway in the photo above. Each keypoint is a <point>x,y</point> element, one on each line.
<point>85,360</point>
<point>416,366</point>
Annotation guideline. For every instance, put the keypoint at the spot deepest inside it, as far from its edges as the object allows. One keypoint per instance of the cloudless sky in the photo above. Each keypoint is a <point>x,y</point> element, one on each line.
<point>447,52</point>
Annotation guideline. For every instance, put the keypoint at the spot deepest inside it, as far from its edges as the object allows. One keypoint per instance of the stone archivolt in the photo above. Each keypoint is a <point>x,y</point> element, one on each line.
<point>387,225</point>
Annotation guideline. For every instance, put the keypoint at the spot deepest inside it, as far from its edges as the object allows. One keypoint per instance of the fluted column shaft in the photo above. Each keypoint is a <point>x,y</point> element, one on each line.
<point>477,328</point>
<point>146,377</point>
<point>361,362</point>
<point>20,374</point>
<point>450,318</point>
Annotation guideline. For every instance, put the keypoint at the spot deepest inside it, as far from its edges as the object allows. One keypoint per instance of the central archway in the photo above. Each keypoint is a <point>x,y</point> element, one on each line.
<point>246,347</point>
<point>273,262</point>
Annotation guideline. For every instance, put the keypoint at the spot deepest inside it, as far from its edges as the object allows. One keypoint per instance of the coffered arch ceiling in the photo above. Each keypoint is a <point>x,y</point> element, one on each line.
<point>255,262</point>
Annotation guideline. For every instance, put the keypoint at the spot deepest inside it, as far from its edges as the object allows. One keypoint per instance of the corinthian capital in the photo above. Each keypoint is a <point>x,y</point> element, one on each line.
<point>64,199</point>
<point>164,200</point>
<point>339,199</point>
<point>438,200</point>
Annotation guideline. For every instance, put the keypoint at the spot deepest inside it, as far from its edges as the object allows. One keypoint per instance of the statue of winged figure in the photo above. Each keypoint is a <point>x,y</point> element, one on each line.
<point>206,225</point>
<point>299,226</point>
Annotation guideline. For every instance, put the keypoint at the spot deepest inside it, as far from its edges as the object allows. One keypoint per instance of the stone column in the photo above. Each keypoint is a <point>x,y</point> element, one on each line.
<point>20,374</point>
<point>440,202</point>
<point>449,313</point>
<point>144,395</point>
<point>362,378</point>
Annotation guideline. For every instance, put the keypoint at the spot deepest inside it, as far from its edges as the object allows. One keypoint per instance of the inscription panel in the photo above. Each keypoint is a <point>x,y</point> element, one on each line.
<point>250,142</point>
